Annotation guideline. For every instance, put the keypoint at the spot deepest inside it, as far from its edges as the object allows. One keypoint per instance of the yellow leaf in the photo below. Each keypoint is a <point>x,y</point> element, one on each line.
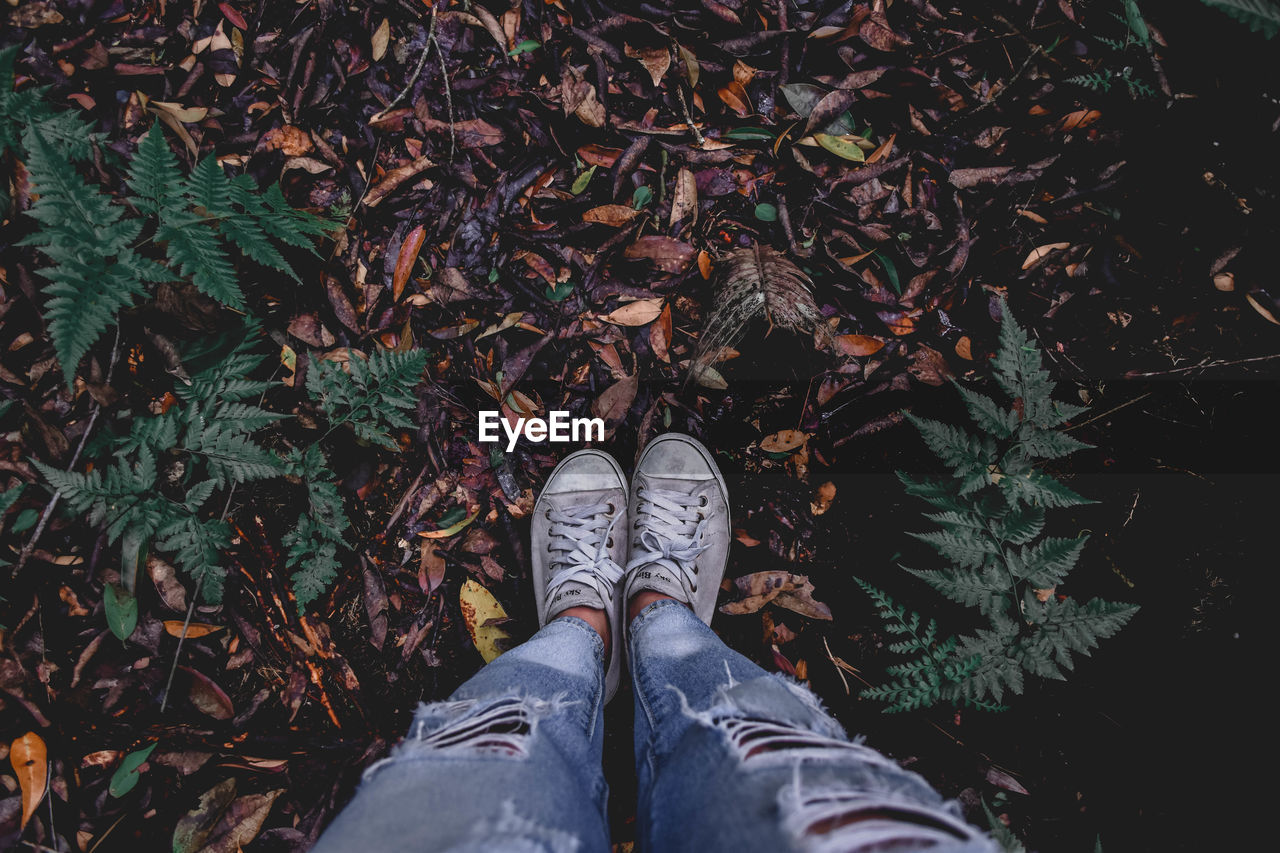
<point>783,441</point>
<point>452,529</point>
<point>479,607</point>
<point>638,313</point>
<point>841,147</point>
<point>30,763</point>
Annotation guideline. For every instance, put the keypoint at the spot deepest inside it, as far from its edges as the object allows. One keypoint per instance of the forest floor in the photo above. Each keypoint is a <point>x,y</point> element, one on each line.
<point>544,196</point>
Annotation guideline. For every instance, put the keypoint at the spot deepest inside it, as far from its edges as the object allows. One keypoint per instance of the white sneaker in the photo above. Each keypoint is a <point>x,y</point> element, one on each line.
<point>578,543</point>
<point>680,528</point>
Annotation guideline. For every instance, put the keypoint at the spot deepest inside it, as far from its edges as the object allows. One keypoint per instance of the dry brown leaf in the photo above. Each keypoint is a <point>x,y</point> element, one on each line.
<point>783,441</point>
<point>1039,252</point>
<point>1224,281</point>
<point>1266,312</point>
<point>736,98</point>
<point>381,37</point>
<point>195,630</point>
<point>406,260</point>
<point>30,760</point>
<point>684,200</point>
<point>638,313</point>
<point>611,214</point>
<point>822,498</point>
<point>660,335</point>
<point>858,345</point>
<point>666,253</point>
<point>612,406</point>
<point>656,60</point>
<point>288,140</point>
<point>964,348</point>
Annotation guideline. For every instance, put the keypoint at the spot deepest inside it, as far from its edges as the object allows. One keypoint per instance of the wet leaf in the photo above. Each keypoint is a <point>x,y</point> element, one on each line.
<point>121,610</point>
<point>479,608</point>
<point>30,762</point>
<point>126,777</point>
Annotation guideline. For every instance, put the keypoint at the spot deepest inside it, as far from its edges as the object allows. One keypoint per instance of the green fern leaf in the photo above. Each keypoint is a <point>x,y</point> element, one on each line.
<point>154,176</point>
<point>1046,563</point>
<point>194,248</point>
<point>1261,16</point>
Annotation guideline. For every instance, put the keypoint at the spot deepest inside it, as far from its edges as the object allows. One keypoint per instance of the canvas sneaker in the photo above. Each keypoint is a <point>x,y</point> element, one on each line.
<point>680,531</point>
<point>578,544</point>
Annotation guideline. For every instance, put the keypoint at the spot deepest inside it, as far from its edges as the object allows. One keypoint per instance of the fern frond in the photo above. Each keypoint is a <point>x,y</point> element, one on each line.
<point>373,396</point>
<point>1046,563</point>
<point>1261,16</point>
<point>232,456</point>
<point>197,545</point>
<point>194,248</point>
<point>154,177</point>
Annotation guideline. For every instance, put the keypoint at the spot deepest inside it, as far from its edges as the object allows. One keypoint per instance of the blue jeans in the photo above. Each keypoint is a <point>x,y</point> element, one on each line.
<point>728,758</point>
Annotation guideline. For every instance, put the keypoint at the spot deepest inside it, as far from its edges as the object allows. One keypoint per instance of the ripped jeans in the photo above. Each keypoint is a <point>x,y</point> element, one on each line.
<point>728,758</point>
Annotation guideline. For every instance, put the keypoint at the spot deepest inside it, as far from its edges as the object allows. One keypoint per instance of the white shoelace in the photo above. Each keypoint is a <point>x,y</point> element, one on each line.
<point>579,541</point>
<point>671,526</point>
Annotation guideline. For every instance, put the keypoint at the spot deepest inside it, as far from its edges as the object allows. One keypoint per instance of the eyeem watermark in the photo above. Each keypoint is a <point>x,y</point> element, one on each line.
<point>559,428</point>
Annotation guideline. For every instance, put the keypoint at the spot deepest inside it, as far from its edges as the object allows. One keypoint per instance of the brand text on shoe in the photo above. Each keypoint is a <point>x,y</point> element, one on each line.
<point>557,427</point>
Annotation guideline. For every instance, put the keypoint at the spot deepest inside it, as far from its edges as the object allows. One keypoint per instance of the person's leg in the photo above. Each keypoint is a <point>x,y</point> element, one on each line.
<point>512,760</point>
<point>729,757</point>
<point>732,758</point>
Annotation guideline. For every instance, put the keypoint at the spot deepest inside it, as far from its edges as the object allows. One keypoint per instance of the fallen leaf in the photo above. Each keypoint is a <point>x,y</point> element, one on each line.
<point>309,329</point>
<point>965,178</point>
<point>195,630</point>
<point>431,567</point>
<point>1267,313</point>
<point>1040,252</point>
<point>637,313</point>
<point>783,441</point>
<point>841,146</point>
<point>964,348</point>
<point>928,366</point>
<point>1224,281</point>
<point>126,777</point>
<point>858,345</point>
<point>684,200</point>
<point>611,214</point>
<point>288,140</point>
<point>207,696</point>
<point>240,823</point>
<point>660,335</point>
<point>121,610</point>
<point>30,760</point>
<point>736,98</point>
<point>612,405</point>
<point>406,260</point>
<point>822,498</point>
<point>479,608</point>
<point>193,828</point>
<point>666,253</point>
<point>381,37</point>
<point>656,60</point>
<point>452,529</point>
<point>1079,119</point>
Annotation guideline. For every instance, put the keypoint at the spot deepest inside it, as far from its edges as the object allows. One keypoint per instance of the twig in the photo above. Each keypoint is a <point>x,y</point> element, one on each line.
<point>75,457</point>
<point>1206,365</point>
<point>444,78</point>
<point>177,655</point>
<point>688,118</point>
<point>417,71</point>
<point>1137,399</point>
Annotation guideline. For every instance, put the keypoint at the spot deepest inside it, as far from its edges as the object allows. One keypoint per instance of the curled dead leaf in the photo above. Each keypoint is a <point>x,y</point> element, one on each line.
<point>479,610</point>
<point>1039,252</point>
